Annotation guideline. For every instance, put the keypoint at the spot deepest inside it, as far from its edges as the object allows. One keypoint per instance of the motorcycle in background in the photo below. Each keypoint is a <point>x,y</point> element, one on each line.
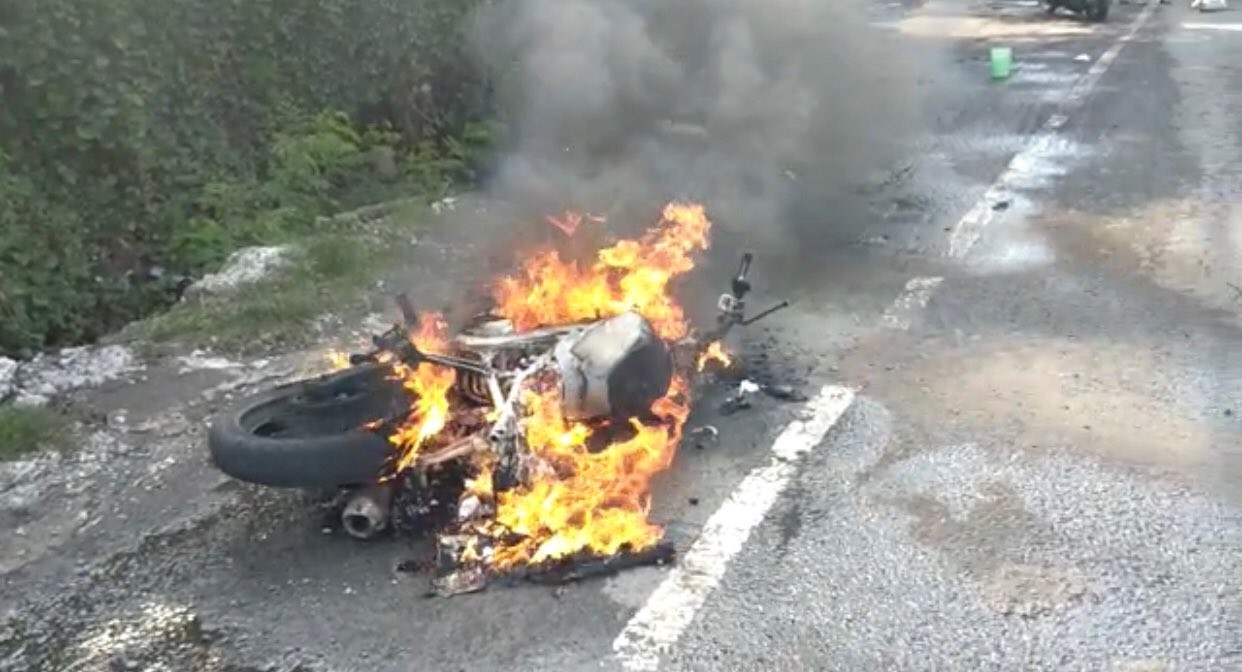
<point>1094,10</point>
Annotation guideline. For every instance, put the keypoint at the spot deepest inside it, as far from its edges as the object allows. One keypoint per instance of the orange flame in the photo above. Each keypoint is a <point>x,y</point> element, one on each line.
<point>632,274</point>
<point>429,386</point>
<point>570,222</point>
<point>338,360</point>
<point>715,352</point>
<point>598,502</point>
<point>585,501</point>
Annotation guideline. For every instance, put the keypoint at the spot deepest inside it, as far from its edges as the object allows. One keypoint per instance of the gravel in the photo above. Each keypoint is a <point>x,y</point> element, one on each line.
<point>961,558</point>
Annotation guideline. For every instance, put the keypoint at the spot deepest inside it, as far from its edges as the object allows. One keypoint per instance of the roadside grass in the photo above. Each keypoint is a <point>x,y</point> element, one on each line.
<point>27,429</point>
<point>326,273</point>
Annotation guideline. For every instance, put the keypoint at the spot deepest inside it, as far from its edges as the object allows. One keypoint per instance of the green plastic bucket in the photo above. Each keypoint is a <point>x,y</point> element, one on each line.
<point>1002,62</point>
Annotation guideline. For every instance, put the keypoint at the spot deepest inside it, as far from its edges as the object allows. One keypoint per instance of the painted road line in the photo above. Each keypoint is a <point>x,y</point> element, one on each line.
<point>970,227</point>
<point>671,608</point>
<point>1230,27</point>
<point>1044,144</point>
<point>912,299</point>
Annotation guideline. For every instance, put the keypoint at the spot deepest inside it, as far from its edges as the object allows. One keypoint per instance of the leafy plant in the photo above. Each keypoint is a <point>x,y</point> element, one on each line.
<point>24,430</point>
<point>325,270</point>
<point>162,135</point>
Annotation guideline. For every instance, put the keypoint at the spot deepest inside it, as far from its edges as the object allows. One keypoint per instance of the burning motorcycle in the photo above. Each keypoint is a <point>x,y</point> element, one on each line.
<point>554,409</point>
<point>1094,10</point>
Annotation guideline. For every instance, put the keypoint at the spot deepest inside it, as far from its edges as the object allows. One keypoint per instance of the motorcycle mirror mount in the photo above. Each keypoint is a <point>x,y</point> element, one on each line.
<point>741,285</point>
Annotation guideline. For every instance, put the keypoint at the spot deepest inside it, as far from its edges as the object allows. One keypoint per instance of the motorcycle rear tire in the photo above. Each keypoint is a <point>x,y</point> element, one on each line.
<point>309,434</point>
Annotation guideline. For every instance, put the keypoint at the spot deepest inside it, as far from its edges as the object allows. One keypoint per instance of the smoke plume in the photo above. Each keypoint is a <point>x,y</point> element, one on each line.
<point>769,112</point>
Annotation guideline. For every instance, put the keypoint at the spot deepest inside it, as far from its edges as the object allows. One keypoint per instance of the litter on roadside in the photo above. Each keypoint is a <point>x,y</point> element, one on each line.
<point>742,396</point>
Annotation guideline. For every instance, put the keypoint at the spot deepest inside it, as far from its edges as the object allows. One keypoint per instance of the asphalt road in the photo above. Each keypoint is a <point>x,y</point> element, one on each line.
<point>1041,467</point>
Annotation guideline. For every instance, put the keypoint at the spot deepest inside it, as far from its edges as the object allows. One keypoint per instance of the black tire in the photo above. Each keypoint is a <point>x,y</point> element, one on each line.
<point>310,434</point>
<point>1097,10</point>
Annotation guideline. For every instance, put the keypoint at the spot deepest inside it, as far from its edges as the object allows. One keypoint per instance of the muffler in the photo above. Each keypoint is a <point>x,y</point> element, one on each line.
<point>367,511</point>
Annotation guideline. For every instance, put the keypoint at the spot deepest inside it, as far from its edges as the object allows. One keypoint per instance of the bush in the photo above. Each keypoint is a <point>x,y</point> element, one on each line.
<point>144,140</point>
<point>24,430</point>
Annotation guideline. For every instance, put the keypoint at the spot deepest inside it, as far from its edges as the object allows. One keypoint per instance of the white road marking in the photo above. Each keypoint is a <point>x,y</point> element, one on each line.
<point>672,606</point>
<point>1232,27</point>
<point>911,300</point>
<point>1043,146</point>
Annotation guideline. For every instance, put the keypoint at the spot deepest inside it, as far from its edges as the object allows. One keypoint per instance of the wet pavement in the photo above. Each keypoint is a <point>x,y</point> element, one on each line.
<point>1041,467</point>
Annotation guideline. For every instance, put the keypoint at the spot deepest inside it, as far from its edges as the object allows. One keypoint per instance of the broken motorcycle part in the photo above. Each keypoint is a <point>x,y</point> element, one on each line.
<point>367,511</point>
<point>310,433</point>
<point>731,306</point>
<point>315,433</point>
<point>585,567</point>
<point>702,436</point>
<point>461,565</point>
<point>740,399</point>
<point>471,444</point>
<point>426,500</point>
<point>617,368</point>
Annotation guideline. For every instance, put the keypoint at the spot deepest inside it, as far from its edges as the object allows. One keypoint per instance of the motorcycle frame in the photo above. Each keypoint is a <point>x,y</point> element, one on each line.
<point>504,434</point>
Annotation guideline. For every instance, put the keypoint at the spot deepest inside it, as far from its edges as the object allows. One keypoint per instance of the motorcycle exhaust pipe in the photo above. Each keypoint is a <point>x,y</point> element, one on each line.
<point>366,513</point>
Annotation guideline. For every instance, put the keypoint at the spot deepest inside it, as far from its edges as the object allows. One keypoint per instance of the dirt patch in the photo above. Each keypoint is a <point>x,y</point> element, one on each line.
<point>1182,245</point>
<point>1030,591</point>
<point>1119,401</point>
<point>994,528</point>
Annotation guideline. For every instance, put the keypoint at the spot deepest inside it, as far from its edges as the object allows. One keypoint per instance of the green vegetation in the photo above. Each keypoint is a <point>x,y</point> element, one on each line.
<point>325,271</point>
<point>141,142</point>
<point>24,430</point>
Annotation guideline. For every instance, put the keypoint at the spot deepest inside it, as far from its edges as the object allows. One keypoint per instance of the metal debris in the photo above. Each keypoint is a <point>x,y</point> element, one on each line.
<point>741,397</point>
<point>460,565</point>
<point>784,392</point>
<point>577,568</point>
<point>460,582</point>
<point>425,503</point>
<point>703,435</point>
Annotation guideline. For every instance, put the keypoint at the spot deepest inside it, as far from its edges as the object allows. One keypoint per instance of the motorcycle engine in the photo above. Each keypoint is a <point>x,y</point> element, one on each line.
<point>617,368</point>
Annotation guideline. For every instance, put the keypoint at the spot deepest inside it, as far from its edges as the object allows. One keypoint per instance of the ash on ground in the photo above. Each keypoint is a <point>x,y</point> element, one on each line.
<point>461,565</point>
